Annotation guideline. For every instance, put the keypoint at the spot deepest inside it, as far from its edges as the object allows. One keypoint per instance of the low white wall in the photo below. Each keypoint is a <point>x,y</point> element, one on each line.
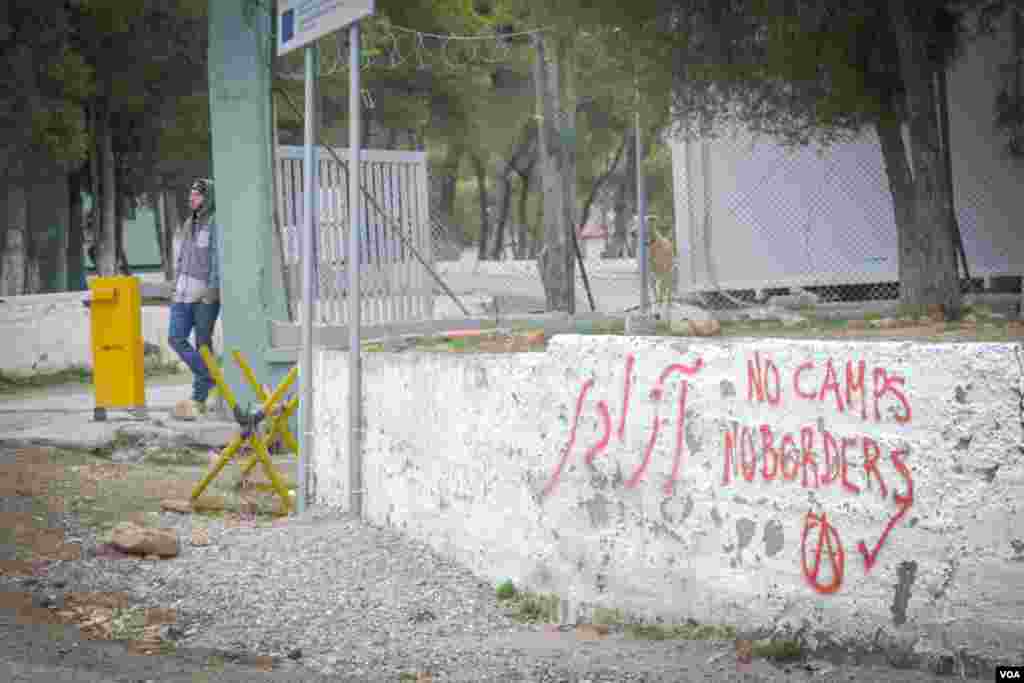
<point>884,516</point>
<point>50,332</point>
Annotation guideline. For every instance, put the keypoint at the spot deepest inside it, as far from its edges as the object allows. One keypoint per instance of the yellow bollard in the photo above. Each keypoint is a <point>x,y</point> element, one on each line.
<point>115,317</point>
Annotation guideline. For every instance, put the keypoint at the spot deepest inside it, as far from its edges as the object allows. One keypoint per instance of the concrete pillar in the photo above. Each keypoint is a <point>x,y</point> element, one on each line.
<point>241,46</point>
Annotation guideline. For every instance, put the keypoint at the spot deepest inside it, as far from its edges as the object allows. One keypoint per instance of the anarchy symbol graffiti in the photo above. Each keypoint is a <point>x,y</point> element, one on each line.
<point>828,539</point>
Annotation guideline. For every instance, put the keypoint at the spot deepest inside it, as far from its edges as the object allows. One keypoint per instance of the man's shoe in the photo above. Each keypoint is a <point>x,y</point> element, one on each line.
<point>189,410</point>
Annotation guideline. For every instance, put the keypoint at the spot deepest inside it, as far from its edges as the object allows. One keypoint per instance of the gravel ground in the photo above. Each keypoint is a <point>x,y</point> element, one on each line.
<point>330,597</point>
<point>327,595</point>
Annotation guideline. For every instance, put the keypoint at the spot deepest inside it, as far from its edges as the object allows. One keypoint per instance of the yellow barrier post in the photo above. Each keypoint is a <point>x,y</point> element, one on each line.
<point>249,433</point>
<point>115,325</point>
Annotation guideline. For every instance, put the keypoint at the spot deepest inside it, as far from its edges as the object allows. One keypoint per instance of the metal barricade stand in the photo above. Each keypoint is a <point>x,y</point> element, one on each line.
<point>251,434</point>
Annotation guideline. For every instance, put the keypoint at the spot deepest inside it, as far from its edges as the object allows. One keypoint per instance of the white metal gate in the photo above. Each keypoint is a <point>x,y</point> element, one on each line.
<point>394,284</point>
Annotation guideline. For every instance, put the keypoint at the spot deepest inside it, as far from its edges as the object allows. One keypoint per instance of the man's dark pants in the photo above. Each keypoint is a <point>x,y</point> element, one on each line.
<point>201,318</point>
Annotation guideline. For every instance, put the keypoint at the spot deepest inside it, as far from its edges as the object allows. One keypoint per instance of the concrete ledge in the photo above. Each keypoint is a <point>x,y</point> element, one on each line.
<point>81,433</point>
<point>851,494</point>
<point>288,336</point>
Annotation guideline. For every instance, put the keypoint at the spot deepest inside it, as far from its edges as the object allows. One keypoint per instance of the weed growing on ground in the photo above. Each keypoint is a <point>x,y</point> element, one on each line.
<point>688,631</point>
<point>527,607</point>
<point>127,623</point>
<point>778,650</point>
<point>608,617</point>
<point>505,591</point>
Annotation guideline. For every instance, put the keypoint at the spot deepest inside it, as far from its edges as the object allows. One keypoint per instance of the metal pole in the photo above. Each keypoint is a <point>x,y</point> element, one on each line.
<point>308,235</point>
<point>355,392</point>
<point>641,207</point>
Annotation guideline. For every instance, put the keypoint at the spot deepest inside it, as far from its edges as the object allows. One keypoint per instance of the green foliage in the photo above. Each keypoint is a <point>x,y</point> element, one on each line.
<point>506,590</point>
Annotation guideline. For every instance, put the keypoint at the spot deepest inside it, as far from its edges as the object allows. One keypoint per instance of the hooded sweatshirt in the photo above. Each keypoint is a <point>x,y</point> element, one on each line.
<point>197,258</point>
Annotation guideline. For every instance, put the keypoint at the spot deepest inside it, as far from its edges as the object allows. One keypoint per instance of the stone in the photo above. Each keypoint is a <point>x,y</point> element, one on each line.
<point>160,615</point>
<point>744,650</point>
<point>187,410</point>
<point>535,337</point>
<point>140,540</point>
<point>200,537</point>
<point>705,328</point>
<point>935,313</point>
<point>591,631</point>
<point>209,503</point>
<point>176,505</point>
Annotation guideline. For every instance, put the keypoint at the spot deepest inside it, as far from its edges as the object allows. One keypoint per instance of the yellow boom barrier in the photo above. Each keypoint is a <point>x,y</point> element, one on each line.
<point>249,424</point>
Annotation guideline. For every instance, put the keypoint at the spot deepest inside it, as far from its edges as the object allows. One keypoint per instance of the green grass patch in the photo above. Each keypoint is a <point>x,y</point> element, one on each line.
<point>127,623</point>
<point>688,631</point>
<point>608,617</point>
<point>530,608</point>
<point>19,382</point>
<point>778,650</point>
<point>102,495</point>
<point>15,382</point>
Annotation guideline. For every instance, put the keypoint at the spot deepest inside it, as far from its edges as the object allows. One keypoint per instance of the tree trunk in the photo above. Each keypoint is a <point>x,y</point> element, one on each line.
<point>599,183</point>
<point>106,202</point>
<point>13,259</point>
<point>497,237</point>
<point>928,267</point>
<point>172,222</point>
<point>485,224</point>
<point>555,261</point>
<point>153,200</point>
<point>75,244</point>
<point>121,212</point>
<point>45,197</point>
<point>442,183</point>
<point>504,175</point>
<point>567,140</point>
<point>624,203</point>
<point>523,238</point>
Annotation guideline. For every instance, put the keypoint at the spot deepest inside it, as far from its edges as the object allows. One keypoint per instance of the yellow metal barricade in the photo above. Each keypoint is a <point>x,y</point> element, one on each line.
<point>115,316</point>
<point>250,426</point>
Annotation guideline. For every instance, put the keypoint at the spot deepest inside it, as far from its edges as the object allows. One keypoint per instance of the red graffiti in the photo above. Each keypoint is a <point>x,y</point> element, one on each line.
<point>828,383</point>
<point>758,381</point>
<point>822,460</point>
<point>601,445</point>
<point>828,539</point>
<point>628,385</point>
<point>903,501</point>
<point>606,434</point>
<point>572,438</point>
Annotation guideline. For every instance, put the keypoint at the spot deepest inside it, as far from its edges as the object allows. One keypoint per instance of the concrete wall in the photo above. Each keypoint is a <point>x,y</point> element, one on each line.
<point>50,332</point>
<point>885,516</point>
